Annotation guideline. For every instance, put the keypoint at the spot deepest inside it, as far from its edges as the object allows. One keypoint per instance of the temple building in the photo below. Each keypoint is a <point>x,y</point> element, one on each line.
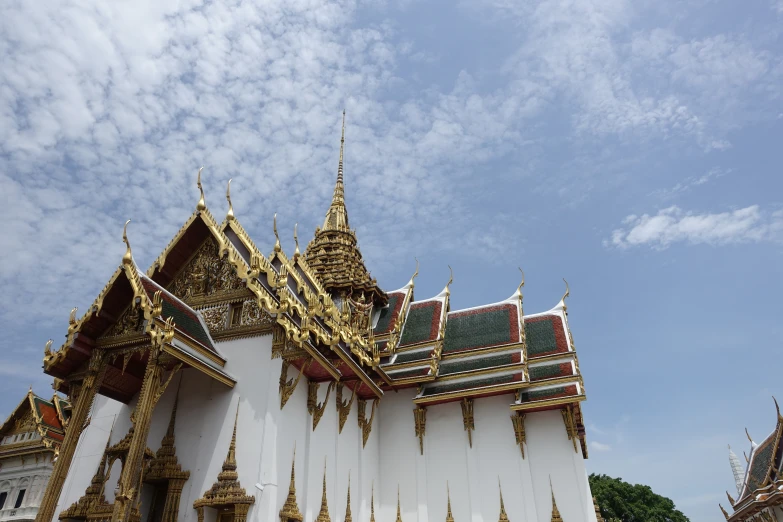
<point>760,488</point>
<point>29,442</point>
<point>223,384</point>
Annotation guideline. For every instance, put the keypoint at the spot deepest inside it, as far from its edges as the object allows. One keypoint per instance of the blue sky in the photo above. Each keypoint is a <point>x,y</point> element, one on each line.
<point>632,147</point>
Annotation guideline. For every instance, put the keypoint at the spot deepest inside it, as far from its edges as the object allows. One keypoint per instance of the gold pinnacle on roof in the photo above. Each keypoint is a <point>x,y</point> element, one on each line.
<point>348,517</point>
<point>323,515</point>
<point>555,512</point>
<point>297,253</point>
<point>333,254</point>
<point>201,205</point>
<point>399,516</point>
<point>165,464</point>
<point>372,502</point>
<point>503,517</point>
<point>449,516</point>
<point>290,510</point>
<point>128,257</point>
<point>278,248</point>
<point>230,214</point>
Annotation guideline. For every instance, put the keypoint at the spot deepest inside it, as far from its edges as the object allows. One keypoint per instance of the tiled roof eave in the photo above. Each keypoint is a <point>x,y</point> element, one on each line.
<point>483,371</point>
<point>484,350</point>
<point>469,392</point>
<point>542,403</point>
<point>748,504</point>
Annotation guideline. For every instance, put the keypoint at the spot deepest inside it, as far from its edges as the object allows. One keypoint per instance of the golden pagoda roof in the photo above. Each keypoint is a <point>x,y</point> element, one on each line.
<point>334,255</point>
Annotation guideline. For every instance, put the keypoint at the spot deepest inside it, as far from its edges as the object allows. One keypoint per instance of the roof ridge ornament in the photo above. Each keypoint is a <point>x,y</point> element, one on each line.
<point>278,248</point>
<point>446,290</point>
<point>777,408</point>
<point>415,274</point>
<point>522,283</point>
<point>297,253</point>
<point>566,294</point>
<point>202,204</point>
<point>230,214</point>
<point>127,259</point>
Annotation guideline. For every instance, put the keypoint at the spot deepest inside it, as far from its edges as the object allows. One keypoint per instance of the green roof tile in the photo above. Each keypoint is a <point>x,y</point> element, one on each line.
<point>389,314</point>
<point>479,363</point>
<point>545,335</point>
<point>412,356</point>
<point>550,371</point>
<point>422,323</point>
<point>550,393</point>
<point>762,460</point>
<point>475,383</point>
<point>481,327</point>
<point>416,372</point>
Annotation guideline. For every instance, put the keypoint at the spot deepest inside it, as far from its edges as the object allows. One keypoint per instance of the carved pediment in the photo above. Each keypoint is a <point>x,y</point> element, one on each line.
<point>207,278</point>
<point>131,322</point>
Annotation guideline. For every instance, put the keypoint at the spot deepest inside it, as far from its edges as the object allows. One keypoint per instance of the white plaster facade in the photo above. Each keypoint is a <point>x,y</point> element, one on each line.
<point>267,435</point>
<point>28,476</point>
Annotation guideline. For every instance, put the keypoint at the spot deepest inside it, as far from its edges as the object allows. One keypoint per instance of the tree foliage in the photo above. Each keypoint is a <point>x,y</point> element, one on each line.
<point>623,502</point>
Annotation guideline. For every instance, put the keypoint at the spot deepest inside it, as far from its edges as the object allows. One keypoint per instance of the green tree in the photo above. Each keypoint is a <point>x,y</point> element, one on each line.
<point>623,502</point>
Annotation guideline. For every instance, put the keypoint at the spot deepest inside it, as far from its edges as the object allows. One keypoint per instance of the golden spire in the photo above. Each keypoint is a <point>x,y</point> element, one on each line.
<point>348,501</point>
<point>230,464</point>
<point>372,502</point>
<point>297,253</point>
<point>503,517</point>
<point>278,248</point>
<point>415,274</point>
<point>555,513</point>
<point>201,205</point>
<point>127,259</point>
<point>230,214</point>
<point>449,516</point>
<point>399,516</point>
<point>337,215</point>
<point>323,515</point>
<point>290,510</point>
<point>522,283</point>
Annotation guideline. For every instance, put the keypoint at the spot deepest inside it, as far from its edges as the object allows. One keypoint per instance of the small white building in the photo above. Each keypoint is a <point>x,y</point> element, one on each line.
<point>29,441</point>
<point>230,385</point>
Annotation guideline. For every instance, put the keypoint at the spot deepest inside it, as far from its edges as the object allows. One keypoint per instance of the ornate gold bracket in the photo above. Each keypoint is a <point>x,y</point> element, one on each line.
<point>364,424</point>
<point>467,418</point>
<point>420,419</point>
<point>344,407</point>
<point>278,341</point>
<point>570,425</point>
<point>315,408</point>
<point>287,386</point>
<point>518,420</point>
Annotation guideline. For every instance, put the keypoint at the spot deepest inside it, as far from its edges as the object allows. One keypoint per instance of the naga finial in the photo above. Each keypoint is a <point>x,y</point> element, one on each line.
<point>48,347</point>
<point>201,205</point>
<point>278,248</point>
<point>230,214</point>
<point>296,241</point>
<point>777,408</point>
<point>446,290</point>
<point>566,294</point>
<point>72,316</point>
<point>748,436</point>
<point>415,274</point>
<point>128,257</point>
<point>522,283</point>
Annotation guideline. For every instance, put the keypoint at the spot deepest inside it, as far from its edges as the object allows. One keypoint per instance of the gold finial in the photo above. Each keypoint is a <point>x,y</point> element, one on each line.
<point>731,500</point>
<point>777,408</point>
<point>348,517</point>
<point>72,316</point>
<point>503,516</point>
<point>296,241</point>
<point>415,274</point>
<point>747,461</point>
<point>323,515</point>
<point>399,515</point>
<point>449,516</point>
<point>231,459</point>
<point>372,502</point>
<point>749,437</point>
<point>724,512</point>
<point>230,214</point>
<point>342,146</point>
<point>48,347</point>
<point>446,290</point>
<point>278,248</point>
<point>128,257</point>
<point>201,205</point>
<point>522,283</point>
<point>566,294</point>
<point>555,512</point>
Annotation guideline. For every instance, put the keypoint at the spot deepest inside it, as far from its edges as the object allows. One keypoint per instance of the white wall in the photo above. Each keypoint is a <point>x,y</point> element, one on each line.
<point>267,435</point>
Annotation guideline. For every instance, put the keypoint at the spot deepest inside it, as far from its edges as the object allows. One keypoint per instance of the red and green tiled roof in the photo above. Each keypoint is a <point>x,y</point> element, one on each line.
<point>418,355</point>
<point>548,393</point>
<point>759,468</point>
<point>447,386</point>
<point>389,314</point>
<point>405,374</point>
<point>545,335</point>
<point>481,327</point>
<point>47,413</point>
<point>422,323</point>
<point>550,371</point>
<point>185,318</point>
<point>450,366</point>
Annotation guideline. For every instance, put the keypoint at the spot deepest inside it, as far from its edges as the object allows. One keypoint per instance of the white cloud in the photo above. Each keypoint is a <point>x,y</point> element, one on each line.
<point>673,225</point>
<point>597,446</point>
<point>689,183</point>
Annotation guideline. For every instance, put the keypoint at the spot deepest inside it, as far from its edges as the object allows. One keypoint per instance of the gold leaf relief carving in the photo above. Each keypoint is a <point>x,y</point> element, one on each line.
<point>215,318</point>
<point>131,321</point>
<point>205,274</point>
<point>253,315</point>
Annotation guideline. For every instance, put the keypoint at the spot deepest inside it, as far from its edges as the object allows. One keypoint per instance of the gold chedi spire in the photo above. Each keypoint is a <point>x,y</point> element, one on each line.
<point>323,515</point>
<point>290,510</point>
<point>503,517</point>
<point>348,517</point>
<point>399,515</point>
<point>334,255</point>
<point>372,502</point>
<point>555,512</point>
<point>449,516</point>
<point>165,464</point>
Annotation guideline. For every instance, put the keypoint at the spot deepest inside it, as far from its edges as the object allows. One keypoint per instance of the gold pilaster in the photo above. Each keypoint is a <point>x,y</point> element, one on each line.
<point>503,517</point>
<point>449,516</point>
<point>399,514</point>
<point>372,502</point>
<point>348,517</point>
<point>555,512</point>
<point>323,514</point>
<point>420,419</point>
<point>518,420</point>
<point>82,398</point>
<point>467,418</point>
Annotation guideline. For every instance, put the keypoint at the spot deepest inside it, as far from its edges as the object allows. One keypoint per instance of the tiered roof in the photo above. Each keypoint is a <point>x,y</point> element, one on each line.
<point>34,414</point>
<point>762,486</point>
